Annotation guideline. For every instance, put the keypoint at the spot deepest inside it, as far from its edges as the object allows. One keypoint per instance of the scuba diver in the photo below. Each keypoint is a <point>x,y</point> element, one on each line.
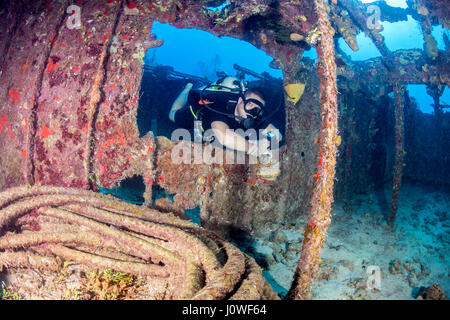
<point>222,105</point>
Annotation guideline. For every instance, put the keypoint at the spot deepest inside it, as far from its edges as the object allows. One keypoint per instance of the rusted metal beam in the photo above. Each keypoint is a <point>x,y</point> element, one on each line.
<point>358,16</point>
<point>399,91</point>
<point>322,197</point>
<point>411,67</point>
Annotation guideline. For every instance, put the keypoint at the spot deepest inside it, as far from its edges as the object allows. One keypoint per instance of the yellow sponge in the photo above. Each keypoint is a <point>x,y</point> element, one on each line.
<point>294,91</point>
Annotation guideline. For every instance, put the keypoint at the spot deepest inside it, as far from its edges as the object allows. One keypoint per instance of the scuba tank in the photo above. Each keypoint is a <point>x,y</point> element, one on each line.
<point>230,83</point>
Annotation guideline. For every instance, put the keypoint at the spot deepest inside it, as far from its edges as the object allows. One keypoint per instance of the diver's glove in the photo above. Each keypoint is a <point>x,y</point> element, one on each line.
<point>268,168</point>
<point>268,171</point>
<point>259,150</point>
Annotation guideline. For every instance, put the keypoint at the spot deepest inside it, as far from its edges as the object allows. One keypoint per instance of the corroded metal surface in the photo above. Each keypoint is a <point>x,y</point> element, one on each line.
<point>399,92</point>
<point>77,90</point>
<point>322,197</point>
<point>69,99</point>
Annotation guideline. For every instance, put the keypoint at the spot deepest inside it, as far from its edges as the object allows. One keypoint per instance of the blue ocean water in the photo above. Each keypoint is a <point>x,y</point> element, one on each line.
<point>201,52</point>
<point>204,54</point>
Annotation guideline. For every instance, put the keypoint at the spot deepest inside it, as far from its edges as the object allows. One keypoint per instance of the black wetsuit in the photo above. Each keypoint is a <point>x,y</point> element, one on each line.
<point>216,100</point>
<point>222,101</point>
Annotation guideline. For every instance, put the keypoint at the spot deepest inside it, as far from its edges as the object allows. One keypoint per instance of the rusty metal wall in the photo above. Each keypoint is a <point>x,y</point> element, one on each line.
<point>70,98</point>
<point>69,103</point>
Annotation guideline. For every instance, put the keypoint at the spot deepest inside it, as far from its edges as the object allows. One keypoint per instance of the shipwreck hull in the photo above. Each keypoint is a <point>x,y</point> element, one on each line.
<point>69,101</point>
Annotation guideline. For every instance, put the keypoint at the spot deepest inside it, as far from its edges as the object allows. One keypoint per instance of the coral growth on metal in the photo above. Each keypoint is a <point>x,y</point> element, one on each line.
<point>322,197</point>
<point>399,92</point>
<point>45,228</point>
<point>69,96</point>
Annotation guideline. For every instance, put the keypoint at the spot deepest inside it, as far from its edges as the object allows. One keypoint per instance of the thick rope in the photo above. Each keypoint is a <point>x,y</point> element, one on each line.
<point>101,232</point>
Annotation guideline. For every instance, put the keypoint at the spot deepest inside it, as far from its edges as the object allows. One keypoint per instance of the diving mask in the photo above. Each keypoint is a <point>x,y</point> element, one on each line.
<point>255,112</point>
